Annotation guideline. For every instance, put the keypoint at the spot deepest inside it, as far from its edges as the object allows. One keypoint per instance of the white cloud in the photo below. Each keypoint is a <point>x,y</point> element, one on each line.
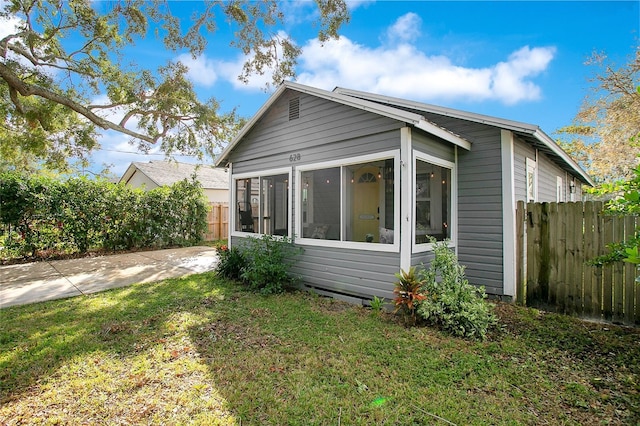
<point>403,70</point>
<point>202,70</point>
<point>405,29</point>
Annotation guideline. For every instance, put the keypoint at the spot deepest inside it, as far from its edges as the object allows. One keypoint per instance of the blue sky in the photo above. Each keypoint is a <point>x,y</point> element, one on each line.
<point>520,60</point>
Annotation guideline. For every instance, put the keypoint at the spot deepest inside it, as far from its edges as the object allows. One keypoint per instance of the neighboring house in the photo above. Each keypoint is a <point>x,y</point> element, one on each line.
<point>361,181</point>
<point>215,182</point>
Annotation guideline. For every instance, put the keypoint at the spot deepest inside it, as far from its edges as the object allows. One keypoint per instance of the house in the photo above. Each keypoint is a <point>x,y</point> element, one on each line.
<point>363,181</point>
<point>215,182</point>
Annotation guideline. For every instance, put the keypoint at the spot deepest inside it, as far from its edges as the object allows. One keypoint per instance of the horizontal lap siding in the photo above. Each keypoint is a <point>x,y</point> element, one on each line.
<point>548,173</point>
<point>522,151</point>
<point>356,273</point>
<point>325,131</point>
<point>480,207</point>
<point>429,145</point>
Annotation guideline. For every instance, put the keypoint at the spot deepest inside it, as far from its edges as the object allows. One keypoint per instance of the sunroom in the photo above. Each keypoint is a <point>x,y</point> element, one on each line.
<point>363,188</point>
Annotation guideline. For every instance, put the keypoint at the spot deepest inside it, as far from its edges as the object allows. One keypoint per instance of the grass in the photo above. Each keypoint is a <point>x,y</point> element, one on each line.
<point>201,350</point>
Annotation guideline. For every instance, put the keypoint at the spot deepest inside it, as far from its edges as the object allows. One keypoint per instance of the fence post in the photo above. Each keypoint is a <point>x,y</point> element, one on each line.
<point>629,274</point>
<point>521,279</point>
<point>592,276</point>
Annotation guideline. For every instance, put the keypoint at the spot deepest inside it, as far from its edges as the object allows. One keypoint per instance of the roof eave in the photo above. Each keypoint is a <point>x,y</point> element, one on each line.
<point>550,143</point>
<point>443,134</point>
<point>363,104</point>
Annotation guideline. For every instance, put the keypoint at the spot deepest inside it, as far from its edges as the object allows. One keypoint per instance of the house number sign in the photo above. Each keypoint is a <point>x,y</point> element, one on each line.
<point>294,157</point>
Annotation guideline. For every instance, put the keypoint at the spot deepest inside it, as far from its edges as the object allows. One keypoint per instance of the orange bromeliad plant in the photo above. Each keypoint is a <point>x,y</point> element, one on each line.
<point>408,292</point>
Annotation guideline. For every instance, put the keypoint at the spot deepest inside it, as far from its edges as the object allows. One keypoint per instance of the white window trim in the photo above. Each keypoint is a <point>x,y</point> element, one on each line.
<point>531,164</point>
<point>418,155</point>
<point>259,175</point>
<point>560,193</point>
<point>354,245</point>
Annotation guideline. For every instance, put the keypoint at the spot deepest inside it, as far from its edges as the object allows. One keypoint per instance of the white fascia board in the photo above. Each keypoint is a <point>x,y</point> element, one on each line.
<point>249,125</point>
<point>545,139</point>
<point>126,177</point>
<point>438,131</point>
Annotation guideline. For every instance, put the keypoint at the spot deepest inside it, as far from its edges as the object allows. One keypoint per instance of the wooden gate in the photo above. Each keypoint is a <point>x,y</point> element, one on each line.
<point>217,222</point>
<point>555,244</point>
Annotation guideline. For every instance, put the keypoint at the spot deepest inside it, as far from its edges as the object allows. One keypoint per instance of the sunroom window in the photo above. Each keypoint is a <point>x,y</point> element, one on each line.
<point>352,202</point>
<point>262,204</point>
<point>432,202</point>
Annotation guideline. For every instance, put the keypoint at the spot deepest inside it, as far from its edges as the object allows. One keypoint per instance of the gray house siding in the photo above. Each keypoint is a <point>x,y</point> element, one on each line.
<point>548,173</point>
<point>522,151</point>
<point>480,204</point>
<point>324,131</point>
<point>429,145</point>
<point>356,273</point>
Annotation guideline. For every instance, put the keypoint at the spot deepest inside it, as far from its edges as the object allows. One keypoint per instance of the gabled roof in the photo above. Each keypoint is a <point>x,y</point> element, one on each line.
<point>417,114</point>
<point>395,113</point>
<point>529,132</point>
<point>169,172</point>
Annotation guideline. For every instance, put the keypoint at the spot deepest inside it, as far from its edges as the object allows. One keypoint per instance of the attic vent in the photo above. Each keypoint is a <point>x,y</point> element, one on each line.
<point>294,109</point>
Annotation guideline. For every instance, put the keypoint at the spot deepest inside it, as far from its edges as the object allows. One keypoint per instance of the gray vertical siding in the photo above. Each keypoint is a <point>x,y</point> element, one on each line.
<point>325,131</point>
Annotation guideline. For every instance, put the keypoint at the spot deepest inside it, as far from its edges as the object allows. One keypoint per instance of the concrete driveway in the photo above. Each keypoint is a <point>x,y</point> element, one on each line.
<point>40,281</point>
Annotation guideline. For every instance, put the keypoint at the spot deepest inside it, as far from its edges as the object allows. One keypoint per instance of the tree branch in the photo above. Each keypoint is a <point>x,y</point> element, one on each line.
<point>25,89</point>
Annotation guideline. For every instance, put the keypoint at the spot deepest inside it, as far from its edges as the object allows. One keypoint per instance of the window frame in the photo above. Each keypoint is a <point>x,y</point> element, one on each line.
<point>260,175</point>
<point>344,179</point>
<point>531,168</point>
<point>453,199</point>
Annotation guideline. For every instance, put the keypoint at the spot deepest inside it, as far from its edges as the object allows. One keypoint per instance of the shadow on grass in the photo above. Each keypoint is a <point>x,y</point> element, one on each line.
<point>35,340</point>
<point>297,358</point>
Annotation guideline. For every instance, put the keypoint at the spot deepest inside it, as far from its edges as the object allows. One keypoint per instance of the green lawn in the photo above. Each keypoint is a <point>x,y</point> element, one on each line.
<point>201,350</point>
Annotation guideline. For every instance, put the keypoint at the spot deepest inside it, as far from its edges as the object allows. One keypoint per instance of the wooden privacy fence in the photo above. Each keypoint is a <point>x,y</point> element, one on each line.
<point>555,242</point>
<point>217,222</point>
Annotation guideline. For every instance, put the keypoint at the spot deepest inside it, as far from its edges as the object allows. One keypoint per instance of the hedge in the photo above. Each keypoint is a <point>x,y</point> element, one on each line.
<point>40,214</point>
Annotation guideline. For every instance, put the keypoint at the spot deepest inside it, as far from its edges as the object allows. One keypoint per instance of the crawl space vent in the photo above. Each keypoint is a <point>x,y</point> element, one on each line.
<point>294,109</point>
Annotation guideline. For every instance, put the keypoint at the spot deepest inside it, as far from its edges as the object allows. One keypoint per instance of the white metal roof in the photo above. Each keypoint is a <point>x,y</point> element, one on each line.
<point>531,133</point>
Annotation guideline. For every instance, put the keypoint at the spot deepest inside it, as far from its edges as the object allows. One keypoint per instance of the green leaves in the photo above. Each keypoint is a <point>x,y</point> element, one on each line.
<point>79,215</point>
<point>79,45</point>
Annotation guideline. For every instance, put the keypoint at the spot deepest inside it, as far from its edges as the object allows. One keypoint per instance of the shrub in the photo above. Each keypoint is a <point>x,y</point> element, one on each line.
<point>40,214</point>
<point>268,261</point>
<point>452,303</point>
<point>231,262</point>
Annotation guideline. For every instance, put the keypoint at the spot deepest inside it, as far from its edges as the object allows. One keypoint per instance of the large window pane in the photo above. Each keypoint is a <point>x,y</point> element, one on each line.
<point>369,206</point>
<point>362,193</point>
<point>320,191</point>
<point>262,204</point>
<point>275,205</point>
<point>433,202</point>
<point>247,204</point>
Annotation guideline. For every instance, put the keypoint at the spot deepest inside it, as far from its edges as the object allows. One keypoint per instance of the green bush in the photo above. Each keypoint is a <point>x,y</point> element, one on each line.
<point>77,215</point>
<point>268,261</point>
<point>231,262</point>
<point>452,303</point>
